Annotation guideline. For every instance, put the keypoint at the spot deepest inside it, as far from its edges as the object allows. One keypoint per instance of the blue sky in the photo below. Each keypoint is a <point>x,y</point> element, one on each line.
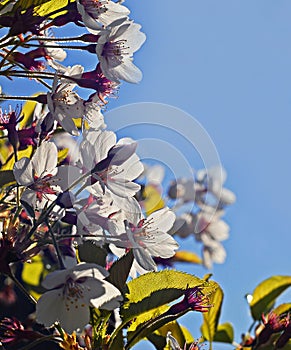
<point>227,63</point>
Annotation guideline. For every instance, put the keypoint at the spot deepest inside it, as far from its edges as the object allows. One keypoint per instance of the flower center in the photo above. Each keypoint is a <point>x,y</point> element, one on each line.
<point>73,293</point>
<point>95,7</point>
<point>42,186</point>
<point>115,49</point>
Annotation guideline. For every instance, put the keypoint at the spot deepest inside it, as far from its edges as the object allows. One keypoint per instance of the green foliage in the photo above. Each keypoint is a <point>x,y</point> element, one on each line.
<point>265,294</point>
<point>155,289</point>
<point>6,178</point>
<point>224,333</point>
<point>49,8</point>
<point>119,271</point>
<point>209,326</point>
<point>282,309</point>
<point>90,252</point>
<point>147,299</point>
<point>158,338</point>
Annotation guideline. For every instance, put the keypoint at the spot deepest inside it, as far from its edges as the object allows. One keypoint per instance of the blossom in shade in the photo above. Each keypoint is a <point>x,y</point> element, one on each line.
<point>70,294</point>
<point>36,174</point>
<point>13,332</point>
<point>14,245</point>
<point>115,49</point>
<point>19,138</point>
<point>98,13</point>
<point>273,323</point>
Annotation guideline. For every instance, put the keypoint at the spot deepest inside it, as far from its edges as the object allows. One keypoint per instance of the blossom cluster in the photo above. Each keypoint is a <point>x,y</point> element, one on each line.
<point>70,186</point>
<point>206,191</point>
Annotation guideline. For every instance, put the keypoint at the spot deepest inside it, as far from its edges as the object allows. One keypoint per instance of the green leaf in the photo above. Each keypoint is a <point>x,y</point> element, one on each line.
<point>282,309</point>
<point>187,335</point>
<point>52,8</point>
<point>155,289</point>
<point>90,252</point>
<point>152,291</point>
<point>224,333</point>
<point>179,332</point>
<point>27,113</point>
<point>211,318</point>
<point>6,177</point>
<point>265,294</point>
<point>25,4</point>
<point>119,271</point>
<point>147,328</point>
<point>158,338</point>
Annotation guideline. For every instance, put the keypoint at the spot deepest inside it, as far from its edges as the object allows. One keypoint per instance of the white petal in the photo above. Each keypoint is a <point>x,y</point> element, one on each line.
<point>55,279</point>
<point>132,168</point>
<point>121,188</point>
<point>109,299</point>
<point>49,306</point>
<point>144,259</point>
<point>164,246</point>
<point>66,122</point>
<point>54,306</point>
<point>161,220</point>
<point>45,158</point>
<point>23,172</point>
<point>227,197</point>
<point>66,175</point>
<point>155,174</point>
<point>29,196</point>
<point>126,71</point>
<point>219,230</point>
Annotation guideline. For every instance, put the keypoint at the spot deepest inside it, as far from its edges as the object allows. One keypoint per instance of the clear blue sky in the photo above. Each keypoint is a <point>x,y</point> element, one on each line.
<point>228,64</point>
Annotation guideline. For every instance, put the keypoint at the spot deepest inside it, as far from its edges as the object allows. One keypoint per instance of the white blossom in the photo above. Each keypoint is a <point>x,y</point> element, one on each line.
<point>65,105</point>
<point>70,294</point>
<point>115,49</point>
<point>213,180</point>
<point>37,174</point>
<point>147,237</point>
<point>115,165</point>
<point>98,14</point>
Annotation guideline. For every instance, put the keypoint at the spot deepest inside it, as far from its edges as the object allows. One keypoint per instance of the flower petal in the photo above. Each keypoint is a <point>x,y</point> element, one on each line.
<point>23,172</point>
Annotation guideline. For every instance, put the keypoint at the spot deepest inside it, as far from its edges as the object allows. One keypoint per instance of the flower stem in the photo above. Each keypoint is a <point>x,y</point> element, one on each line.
<point>24,291</point>
<point>55,243</point>
<point>22,98</point>
<point>40,340</point>
<point>69,47</point>
<point>46,38</point>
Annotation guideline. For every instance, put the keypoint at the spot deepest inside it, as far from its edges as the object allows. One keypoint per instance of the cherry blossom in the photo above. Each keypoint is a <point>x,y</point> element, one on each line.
<point>36,174</point>
<point>96,14</point>
<point>115,49</point>
<point>114,164</point>
<point>65,104</point>
<point>147,237</point>
<point>70,294</point>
